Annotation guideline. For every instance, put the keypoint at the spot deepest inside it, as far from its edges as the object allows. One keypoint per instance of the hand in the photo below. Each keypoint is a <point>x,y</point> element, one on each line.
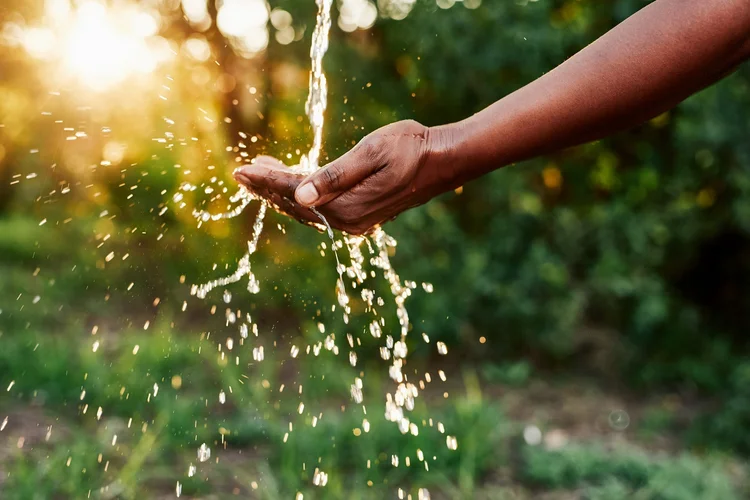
<point>389,171</point>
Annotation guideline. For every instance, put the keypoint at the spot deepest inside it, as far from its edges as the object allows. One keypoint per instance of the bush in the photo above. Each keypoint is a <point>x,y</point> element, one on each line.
<point>622,473</point>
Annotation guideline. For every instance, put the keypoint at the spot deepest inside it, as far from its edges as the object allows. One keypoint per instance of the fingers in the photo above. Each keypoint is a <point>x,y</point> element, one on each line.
<point>268,175</point>
<point>294,210</point>
<point>271,179</point>
<point>342,174</point>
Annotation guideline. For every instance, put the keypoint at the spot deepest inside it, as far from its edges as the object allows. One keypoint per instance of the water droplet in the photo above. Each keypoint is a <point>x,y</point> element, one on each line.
<point>619,420</point>
<point>204,453</point>
<point>356,391</point>
<point>375,329</point>
<point>320,478</point>
<point>451,442</point>
<point>532,435</point>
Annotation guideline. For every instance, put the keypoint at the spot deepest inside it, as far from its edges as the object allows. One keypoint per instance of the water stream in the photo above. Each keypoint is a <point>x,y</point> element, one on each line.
<point>378,246</point>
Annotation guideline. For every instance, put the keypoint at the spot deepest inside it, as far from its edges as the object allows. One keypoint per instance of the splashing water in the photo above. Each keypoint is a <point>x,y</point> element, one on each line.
<point>378,245</point>
<point>317,99</point>
<point>243,268</point>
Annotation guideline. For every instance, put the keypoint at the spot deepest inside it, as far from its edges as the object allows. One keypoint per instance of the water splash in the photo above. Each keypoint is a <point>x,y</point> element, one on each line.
<point>379,246</point>
<point>243,267</point>
<point>317,99</point>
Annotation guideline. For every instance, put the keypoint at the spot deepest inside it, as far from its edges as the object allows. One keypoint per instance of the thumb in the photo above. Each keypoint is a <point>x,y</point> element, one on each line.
<point>341,174</point>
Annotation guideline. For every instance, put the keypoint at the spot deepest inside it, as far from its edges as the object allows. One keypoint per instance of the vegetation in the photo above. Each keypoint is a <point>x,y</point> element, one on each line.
<point>613,276</point>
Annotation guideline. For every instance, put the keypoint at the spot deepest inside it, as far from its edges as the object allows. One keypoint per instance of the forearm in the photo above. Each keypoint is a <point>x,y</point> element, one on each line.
<point>643,67</point>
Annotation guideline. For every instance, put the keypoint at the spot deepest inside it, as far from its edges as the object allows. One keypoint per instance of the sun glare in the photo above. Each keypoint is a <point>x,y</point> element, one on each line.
<point>96,44</point>
<point>244,23</point>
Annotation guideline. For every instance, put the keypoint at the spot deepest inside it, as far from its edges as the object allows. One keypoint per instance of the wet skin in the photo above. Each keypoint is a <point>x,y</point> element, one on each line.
<point>643,67</point>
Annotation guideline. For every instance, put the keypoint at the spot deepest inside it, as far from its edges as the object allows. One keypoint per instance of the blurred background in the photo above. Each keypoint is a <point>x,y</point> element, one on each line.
<point>594,303</point>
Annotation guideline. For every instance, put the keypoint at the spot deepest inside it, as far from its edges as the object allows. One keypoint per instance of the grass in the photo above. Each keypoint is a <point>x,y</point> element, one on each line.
<point>621,473</point>
<point>158,390</point>
<point>159,430</point>
<point>249,456</point>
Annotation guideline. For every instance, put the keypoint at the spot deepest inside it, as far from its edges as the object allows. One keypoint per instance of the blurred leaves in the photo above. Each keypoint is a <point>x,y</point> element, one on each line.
<point>645,235</point>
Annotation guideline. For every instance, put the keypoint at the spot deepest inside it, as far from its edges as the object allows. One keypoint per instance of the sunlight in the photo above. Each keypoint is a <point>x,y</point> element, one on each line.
<point>98,45</point>
<point>244,23</point>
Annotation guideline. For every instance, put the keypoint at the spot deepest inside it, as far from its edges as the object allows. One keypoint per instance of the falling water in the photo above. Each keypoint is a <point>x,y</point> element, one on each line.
<point>317,99</point>
<point>378,245</point>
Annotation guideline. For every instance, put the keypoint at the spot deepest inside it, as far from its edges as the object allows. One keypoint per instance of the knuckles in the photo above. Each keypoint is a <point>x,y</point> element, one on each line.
<point>331,178</point>
<point>396,147</point>
<point>372,148</point>
<point>413,126</point>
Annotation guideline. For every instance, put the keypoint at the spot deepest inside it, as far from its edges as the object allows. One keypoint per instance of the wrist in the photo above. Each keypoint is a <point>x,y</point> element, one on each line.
<point>458,152</point>
<point>444,158</point>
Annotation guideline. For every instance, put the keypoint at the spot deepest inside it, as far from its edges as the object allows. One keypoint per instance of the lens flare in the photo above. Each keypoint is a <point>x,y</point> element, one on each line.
<point>95,44</point>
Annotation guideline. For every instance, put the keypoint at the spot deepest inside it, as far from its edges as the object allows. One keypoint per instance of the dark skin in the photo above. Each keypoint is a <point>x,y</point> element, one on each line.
<point>643,67</point>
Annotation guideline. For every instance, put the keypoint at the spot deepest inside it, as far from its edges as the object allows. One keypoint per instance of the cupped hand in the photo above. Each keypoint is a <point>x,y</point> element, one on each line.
<point>389,171</point>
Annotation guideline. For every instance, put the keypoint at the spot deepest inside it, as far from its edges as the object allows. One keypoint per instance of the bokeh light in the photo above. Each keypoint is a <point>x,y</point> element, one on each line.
<point>96,45</point>
<point>282,21</point>
<point>196,12</point>
<point>396,9</point>
<point>197,48</point>
<point>244,24</point>
<point>357,14</point>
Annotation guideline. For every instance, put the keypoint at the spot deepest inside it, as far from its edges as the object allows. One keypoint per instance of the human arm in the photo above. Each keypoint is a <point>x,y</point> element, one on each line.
<point>646,65</point>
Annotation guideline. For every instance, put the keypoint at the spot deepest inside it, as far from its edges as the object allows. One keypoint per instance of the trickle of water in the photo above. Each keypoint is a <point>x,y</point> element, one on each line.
<point>378,244</point>
<point>243,267</point>
<point>317,99</point>
<point>341,295</point>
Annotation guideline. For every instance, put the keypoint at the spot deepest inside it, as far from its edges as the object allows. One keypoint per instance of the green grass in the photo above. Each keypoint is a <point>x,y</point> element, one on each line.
<point>162,403</point>
<point>157,436</point>
<point>625,473</point>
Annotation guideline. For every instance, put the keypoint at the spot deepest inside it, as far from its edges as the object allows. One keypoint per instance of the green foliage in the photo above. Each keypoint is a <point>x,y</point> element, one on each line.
<point>726,426</point>
<point>507,373</point>
<point>617,473</point>
<point>156,430</point>
<point>645,235</point>
<point>69,471</point>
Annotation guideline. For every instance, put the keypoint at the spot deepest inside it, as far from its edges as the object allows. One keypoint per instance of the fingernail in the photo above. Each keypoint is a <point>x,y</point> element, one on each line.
<point>306,194</point>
